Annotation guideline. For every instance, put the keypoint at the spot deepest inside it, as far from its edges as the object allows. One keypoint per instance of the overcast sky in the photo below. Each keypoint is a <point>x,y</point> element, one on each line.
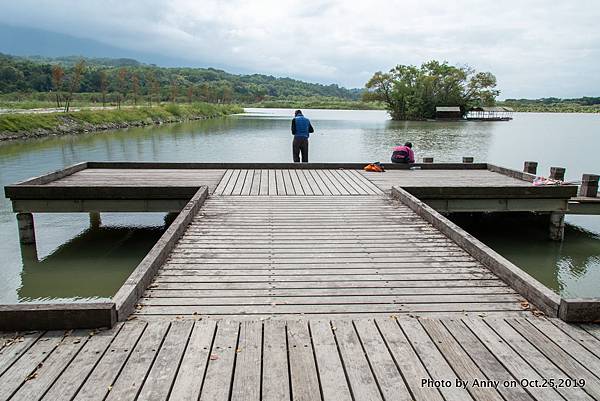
<point>536,48</point>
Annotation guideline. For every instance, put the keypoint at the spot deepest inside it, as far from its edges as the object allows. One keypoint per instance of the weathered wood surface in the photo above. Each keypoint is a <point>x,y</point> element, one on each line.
<point>337,360</point>
<point>308,182</point>
<point>247,256</point>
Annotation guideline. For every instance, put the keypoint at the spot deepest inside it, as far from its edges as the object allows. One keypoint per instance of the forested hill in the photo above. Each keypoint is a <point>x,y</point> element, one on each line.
<point>34,74</point>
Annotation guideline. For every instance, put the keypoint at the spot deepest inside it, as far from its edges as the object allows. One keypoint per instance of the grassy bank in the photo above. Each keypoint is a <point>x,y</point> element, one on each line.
<point>14,126</point>
<point>317,103</point>
<point>540,107</point>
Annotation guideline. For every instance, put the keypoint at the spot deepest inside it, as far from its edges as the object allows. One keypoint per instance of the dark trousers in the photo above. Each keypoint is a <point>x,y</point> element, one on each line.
<point>300,145</point>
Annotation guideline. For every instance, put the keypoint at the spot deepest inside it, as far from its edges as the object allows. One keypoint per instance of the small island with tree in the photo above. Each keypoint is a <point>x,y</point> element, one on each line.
<point>413,93</point>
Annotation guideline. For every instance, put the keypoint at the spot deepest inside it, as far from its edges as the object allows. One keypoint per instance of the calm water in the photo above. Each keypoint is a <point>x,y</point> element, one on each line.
<point>74,261</point>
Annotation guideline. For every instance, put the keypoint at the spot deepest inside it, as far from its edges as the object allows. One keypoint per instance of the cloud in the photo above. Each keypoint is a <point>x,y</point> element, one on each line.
<point>535,48</point>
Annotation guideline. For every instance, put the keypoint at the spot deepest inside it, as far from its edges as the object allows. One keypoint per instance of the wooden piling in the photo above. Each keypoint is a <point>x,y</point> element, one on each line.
<point>26,228</point>
<point>467,160</point>
<point>557,173</point>
<point>95,220</point>
<point>589,186</point>
<point>530,167</point>
<point>557,226</point>
<point>428,160</point>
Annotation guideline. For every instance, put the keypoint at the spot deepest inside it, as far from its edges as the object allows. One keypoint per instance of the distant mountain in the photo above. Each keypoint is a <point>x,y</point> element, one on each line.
<point>22,41</point>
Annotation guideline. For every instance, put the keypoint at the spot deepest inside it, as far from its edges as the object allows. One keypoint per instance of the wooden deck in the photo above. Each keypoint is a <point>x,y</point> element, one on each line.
<point>306,255</point>
<point>321,360</point>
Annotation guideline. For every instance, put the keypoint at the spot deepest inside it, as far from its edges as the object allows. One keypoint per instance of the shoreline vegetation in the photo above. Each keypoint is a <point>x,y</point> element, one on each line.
<point>35,125</point>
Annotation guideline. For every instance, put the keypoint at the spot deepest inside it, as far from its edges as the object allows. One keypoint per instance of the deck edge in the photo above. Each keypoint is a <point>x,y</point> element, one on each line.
<point>537,293</point>
<point>579,310</point>
<point>57,316</point>
<point>133,288</point>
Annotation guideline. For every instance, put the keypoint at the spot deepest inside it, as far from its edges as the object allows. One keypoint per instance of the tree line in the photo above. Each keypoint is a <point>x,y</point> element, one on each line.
<point>118,79</point>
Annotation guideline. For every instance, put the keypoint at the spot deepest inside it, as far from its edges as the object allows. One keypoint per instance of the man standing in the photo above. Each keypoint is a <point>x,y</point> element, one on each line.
<point>301,129</point>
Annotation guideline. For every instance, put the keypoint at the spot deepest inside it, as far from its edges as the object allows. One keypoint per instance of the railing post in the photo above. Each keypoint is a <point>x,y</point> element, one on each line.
<point>530,167</point>
<point>428,160</point>
<point>467,160</point>
<point>557,173</point>
<point>589,185</point>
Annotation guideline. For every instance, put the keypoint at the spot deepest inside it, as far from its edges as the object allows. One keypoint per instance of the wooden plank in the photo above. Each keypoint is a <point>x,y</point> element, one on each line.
<point>485,360</point>
<point>280,185</point>
<point>239,184</point>
<point>544,357</point>
<point>14,346</point>
<point>359,183</point>
<point>578,334</point>
<point>568,344</point>
<point>389,379</point>
<point>248,366</point>
<point>510,359</point>
<point>332,185</point>
<point>331,372</point>
<point>256,183</point>
<point>47,372</point>
<point>432,359</point>
<point>219,190</point>
<point>460,361</point>
<point>164,369</point>
<point>310,181</point>
<point>264,182</point>
<point>299,190</point>
<point>71,379</point>
<point>26,366</point>
<point>248,183</point>
<point>366,181</point>
<point>407,361</point>
<point>335,182</point>
<point>354,187</point>
<point>275,377</point>
<point>190,375</point>
<point>100,380</point>
<point>360,376</point>
<point>134,372</point>
<point>304,182</point>
<point>219,372</point>
<point>320,182</point>
<point>303,370</point>
<point>289,184</point>
<point>272,183</point>
<point>235,175</point>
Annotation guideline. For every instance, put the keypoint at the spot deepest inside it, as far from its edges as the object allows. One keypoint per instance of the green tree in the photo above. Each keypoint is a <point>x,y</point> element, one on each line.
<point>412,93</point>
<point>74,82</point>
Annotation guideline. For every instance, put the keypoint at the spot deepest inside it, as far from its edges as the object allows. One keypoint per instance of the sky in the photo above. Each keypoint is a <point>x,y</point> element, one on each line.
<point>536,48</point>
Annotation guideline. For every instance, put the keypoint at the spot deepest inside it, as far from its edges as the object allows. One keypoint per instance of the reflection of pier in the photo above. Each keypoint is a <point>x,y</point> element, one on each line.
<point>53,277</point>
<point>317,282</point>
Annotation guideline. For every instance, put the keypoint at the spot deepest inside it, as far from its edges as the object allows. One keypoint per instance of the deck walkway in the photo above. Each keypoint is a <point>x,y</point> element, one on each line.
<point>328,360</point>
<point>284,256</point>
<point>304,284</point>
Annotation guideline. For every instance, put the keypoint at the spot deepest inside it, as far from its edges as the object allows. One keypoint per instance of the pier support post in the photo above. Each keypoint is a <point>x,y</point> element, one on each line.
<point>170,218</point>
<point>557,226</point>
<point>467,160</point>
<point>26,228</point>
<point>589,185</point>
<point>95,220</point>
<point>530,167</point>
<point>428,160</point>
<point>557,173</point>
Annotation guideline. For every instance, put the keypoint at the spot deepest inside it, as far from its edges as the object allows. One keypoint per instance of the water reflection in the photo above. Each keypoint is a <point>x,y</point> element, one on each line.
<point>90,266</point>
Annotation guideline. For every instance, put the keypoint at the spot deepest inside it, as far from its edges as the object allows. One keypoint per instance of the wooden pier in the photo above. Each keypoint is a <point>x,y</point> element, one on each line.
<point>312,282</point>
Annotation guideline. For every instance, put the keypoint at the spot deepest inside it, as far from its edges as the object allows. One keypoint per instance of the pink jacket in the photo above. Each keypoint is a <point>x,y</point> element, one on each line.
<point>411,154</point>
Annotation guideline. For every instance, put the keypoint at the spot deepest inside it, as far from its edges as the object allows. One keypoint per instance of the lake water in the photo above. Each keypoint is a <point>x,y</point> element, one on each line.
<point>75,261</point>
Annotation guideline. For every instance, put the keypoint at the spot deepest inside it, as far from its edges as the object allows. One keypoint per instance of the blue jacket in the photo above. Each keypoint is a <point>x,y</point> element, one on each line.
<point>301,127</point>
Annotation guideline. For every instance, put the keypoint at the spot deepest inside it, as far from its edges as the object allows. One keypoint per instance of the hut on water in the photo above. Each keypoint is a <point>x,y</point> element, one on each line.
<point>448,113</point>
<point>499,113</point>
